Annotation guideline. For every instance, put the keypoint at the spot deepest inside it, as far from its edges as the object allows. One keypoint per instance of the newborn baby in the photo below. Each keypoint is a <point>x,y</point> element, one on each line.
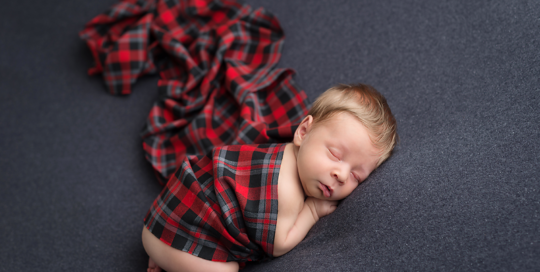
<point>255,202</point>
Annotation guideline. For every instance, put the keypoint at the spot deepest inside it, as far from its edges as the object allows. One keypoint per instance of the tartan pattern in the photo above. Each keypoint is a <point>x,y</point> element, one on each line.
<point>218,82</point>
<point>223,207</point>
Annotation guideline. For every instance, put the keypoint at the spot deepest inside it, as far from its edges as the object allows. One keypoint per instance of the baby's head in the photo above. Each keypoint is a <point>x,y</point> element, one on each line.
<point>348,132</point>
<point>367,105</point>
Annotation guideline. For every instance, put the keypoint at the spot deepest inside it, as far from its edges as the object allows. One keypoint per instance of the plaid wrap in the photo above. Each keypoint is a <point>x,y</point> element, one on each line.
<point>223,207</point>
<point>218,82</point>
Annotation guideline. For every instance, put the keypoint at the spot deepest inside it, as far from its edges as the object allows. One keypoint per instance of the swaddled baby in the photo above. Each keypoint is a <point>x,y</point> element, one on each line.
<point>253,202</point>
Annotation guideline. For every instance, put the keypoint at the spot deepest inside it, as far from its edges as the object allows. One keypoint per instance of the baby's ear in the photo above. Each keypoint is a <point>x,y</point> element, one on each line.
<point>302,130</point>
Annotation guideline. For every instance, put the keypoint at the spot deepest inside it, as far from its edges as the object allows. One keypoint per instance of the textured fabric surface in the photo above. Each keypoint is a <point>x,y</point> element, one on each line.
<point>461,193</point>
<point>215,59</point>
<point>223,206</point>
<point>217,86</point>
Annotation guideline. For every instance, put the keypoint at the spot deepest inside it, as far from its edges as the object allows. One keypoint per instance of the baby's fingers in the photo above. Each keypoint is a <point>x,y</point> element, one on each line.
<point>332,209</point>
<point>333,206</point>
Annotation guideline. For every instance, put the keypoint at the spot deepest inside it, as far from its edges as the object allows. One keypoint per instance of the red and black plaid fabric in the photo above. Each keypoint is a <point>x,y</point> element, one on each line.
<point>223,207</point>
<point>218,82</point>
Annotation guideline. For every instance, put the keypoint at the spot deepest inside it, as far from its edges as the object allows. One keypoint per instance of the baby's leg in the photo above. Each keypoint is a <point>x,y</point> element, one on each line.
<point>172,259</point>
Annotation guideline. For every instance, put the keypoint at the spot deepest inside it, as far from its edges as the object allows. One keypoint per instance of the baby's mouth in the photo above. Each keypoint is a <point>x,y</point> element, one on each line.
<point>327,191</point>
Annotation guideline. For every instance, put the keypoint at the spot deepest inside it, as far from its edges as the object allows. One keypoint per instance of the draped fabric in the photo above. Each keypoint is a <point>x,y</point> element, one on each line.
<point>224,207</point>
<point>218,81</point>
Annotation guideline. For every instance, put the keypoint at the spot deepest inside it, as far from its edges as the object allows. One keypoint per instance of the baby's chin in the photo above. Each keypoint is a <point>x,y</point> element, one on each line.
<point>332,198</point>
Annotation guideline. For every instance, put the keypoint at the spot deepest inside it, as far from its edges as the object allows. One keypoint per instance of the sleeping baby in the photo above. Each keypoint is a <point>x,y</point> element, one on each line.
<point>245,203</point>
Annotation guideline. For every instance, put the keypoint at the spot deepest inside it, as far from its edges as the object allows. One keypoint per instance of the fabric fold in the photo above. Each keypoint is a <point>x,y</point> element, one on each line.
<point>223,207</point>
<point>218,85</point>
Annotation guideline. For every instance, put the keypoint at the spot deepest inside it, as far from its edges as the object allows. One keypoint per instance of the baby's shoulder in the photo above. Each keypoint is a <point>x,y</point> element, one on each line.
<point>290,192</point>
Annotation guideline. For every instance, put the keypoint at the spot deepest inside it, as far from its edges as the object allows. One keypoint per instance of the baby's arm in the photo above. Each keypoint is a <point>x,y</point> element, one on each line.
<point>293,226</point>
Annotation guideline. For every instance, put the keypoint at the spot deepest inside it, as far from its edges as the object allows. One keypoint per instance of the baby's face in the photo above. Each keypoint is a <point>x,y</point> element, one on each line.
<point>334,156</point>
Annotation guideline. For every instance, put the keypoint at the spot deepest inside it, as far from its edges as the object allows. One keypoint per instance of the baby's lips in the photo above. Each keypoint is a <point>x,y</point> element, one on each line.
<point>327,190</point>
<point>331,190</point>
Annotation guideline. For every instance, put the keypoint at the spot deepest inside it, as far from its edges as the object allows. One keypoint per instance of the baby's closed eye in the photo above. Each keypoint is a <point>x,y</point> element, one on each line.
<point>335,154</point>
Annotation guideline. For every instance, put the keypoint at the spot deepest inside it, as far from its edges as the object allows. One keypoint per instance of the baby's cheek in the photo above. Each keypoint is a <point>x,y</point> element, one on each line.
<point>353,187</point>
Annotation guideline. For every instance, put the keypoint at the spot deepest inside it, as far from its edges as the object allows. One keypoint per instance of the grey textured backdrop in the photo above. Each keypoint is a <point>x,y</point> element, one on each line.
<point>461,192</point>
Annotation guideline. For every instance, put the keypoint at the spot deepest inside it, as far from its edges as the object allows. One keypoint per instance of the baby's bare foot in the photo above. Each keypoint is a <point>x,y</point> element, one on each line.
<point>152,266</point>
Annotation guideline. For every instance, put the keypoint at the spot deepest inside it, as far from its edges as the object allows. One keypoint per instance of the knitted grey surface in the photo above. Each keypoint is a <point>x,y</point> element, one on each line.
<point>460,193</point>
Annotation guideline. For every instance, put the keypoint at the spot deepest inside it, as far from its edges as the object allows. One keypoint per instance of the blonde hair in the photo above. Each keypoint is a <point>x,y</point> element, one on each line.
<point>368,106</point>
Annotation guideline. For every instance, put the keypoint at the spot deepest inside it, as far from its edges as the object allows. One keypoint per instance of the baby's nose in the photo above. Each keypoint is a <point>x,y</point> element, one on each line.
<point>339,177</point>
<point>341,173</point>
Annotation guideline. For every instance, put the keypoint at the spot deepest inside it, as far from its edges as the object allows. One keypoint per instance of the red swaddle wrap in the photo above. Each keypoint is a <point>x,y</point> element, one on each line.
<point>224,207</point>
<point>218,86</point>
<point>218,82</point>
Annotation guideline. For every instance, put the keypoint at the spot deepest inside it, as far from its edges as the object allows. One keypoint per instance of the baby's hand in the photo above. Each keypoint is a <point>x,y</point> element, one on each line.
<point>320,207</point>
